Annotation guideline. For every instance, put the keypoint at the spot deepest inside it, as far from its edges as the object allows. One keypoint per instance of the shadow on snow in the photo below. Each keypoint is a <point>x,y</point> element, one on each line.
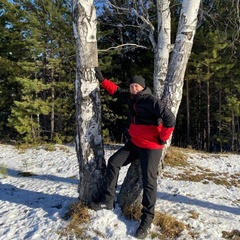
<point>190,201</point>
<point>15,173</point>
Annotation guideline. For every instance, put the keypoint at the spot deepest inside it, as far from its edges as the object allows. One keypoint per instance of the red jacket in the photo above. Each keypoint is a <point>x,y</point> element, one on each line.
<point>151,121</point>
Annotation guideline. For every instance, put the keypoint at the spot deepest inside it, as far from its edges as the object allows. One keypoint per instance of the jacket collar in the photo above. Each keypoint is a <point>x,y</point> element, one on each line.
<point>145,91</point>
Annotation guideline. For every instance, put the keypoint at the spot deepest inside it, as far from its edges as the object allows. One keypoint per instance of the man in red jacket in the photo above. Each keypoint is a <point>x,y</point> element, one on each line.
<point>152,124</point>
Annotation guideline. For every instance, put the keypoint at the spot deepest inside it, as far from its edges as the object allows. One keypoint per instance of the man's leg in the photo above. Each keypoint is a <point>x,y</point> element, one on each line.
<point>122,157</point>
<point>149,159</point>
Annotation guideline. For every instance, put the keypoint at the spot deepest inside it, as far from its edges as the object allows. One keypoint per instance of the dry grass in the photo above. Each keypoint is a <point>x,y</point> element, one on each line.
<point>22,148</point>
<point>133,212</point>
<point>234,234</point>
<point>170,227</point>
<point>63,148</point>
<point>3,171</point>
<point>205,176</point>
<point>193,214</point>
<point>79,216</point>
<point>175,157</point>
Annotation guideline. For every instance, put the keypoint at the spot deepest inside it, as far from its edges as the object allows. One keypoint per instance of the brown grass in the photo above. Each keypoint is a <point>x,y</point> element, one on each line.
<point>175,157</point>
<point>79,216</point>
<point>3,171</point>
<point>133,212</point>
<point>234,234</point>
<point>170,227</point>
<point>206,176</point>
<point>22,148</point>
<point>193,214</point>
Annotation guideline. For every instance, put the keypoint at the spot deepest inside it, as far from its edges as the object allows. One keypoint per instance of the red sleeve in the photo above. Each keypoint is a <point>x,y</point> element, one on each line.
<point>165,133</point>
<point>109,86</point>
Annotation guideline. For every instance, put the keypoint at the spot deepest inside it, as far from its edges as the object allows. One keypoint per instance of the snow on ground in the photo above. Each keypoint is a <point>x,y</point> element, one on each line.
<point>33,207</point>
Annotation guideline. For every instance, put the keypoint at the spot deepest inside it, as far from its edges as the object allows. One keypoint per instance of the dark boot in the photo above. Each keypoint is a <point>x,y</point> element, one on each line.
<point>142,230</point>
<point>102,205</point>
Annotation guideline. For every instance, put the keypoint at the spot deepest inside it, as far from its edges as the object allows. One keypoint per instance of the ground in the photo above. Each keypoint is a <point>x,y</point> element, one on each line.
<point>38,186</point>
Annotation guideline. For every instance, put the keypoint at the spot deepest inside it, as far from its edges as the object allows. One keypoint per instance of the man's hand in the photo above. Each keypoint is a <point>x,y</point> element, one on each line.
<point>98,74</point>
<point>160,141</point>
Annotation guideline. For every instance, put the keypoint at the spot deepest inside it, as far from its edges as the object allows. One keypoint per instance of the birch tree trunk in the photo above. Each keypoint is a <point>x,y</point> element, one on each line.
<point>89,144</point>
<point>173,87</point>
<point>163,47</point>
<point>170,75</point>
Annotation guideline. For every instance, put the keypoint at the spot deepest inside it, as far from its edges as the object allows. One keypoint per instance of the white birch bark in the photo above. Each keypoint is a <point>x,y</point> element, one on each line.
<point>163,47</point>
<point>173,86</point>
<point>89,145</point>
<point>181,52</point>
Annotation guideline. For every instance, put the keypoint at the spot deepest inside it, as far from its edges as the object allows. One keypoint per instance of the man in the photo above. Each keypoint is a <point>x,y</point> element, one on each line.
<point>152,123</point>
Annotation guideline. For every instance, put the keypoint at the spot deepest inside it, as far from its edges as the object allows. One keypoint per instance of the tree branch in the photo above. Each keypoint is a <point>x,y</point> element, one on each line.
<point>123,45</point>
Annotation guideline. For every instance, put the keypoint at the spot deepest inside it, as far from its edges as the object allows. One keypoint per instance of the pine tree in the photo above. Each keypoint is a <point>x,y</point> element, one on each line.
<point>12,47</point>
<point>47,62</point>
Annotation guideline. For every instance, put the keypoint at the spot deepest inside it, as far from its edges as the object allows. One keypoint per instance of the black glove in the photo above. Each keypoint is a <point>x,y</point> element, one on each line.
<point>160,141</point>
<point>98,74</point>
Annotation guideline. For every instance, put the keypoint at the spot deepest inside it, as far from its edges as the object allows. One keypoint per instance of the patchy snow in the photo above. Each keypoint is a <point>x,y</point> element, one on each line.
<point>33,207</point>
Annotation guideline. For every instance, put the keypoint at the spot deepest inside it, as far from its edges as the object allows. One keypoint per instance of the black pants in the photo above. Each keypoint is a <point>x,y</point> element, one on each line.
<point>149,159</point>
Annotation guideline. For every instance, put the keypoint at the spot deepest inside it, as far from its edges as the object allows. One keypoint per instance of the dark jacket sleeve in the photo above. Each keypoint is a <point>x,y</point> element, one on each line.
<point>168,120</point>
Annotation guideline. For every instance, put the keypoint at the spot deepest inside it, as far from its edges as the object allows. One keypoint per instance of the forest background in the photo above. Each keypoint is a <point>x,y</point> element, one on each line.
<point>38,70</point>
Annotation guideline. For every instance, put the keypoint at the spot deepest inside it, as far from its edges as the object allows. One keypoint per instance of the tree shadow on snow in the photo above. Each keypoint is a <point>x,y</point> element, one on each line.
<point>190,201</point>
<point>50,203</point>
<point>15,173</point>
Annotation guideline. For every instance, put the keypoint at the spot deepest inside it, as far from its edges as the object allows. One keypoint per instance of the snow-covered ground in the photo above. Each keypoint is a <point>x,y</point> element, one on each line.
<point>33,207</point>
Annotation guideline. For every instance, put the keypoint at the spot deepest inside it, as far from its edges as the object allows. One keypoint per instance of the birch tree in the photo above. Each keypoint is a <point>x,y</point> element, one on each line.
<point>168,80</point>
<point>89,144</point>
<point>169,70</point>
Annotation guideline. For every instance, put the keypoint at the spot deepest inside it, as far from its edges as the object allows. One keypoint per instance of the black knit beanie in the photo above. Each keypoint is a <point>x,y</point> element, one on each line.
<point>139,80</point>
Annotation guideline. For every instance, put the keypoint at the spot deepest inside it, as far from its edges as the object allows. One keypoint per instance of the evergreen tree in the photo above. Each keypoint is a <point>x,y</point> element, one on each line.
<point>12,50</point>
<point>211,73</point>
<point>48,62</point>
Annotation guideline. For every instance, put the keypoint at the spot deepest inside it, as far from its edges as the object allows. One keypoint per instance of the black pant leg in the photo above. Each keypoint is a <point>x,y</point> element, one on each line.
<point>149,159</point>
<point>125,155</point>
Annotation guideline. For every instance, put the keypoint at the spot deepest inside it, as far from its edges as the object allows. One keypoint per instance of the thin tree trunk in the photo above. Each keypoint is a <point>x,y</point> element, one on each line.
<point>189,142</point>
<point>220,118</point>
<point>208,118</point>
<point>52,104</point>
<point>44,79</point>
<point>233,132</point>
<point>199,129</point>
<point>238,135</point>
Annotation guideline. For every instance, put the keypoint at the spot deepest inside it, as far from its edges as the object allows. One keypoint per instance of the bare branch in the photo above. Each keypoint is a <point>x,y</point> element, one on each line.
<point>146,24</point>
<point>123,45</point>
